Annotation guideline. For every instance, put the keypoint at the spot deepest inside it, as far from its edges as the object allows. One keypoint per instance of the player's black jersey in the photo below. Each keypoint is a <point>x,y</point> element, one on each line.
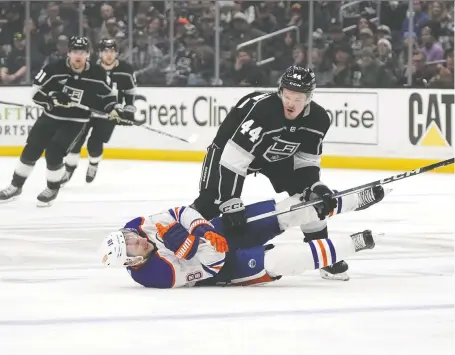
<point>256,135</point>
<point>123,82</point>
<point>89,88</point>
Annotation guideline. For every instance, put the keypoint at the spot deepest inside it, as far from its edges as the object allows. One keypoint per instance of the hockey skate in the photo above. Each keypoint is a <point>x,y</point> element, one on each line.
<point>336,271</point>
<point>66,177</point>
<point>46,197</point>
<point>91,172</point>
<point>10,193</point>
<point>362,240</point>
<point>369,197</point>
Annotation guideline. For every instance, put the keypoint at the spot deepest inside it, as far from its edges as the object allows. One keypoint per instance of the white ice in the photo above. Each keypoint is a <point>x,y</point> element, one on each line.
<point>56,299</point>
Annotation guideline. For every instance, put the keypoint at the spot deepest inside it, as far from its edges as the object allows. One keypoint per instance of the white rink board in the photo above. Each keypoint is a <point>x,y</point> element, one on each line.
<point>369,123</point>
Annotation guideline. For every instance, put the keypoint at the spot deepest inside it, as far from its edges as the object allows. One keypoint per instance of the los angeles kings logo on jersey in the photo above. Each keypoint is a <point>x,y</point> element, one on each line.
<point>280,149</point>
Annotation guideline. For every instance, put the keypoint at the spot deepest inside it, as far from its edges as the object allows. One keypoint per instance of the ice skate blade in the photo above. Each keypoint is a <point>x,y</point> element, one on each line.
<point>337,277</point>
<point>8,200</point>
<point>41,204</point>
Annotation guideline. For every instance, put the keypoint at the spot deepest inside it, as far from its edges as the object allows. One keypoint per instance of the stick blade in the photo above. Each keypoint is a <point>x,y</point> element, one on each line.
<point>193,138</point>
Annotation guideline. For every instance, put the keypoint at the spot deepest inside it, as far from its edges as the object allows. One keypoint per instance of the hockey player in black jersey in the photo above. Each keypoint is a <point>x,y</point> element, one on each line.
<point>59,87</point>
<point>279,135</point>
<point>124,84</point>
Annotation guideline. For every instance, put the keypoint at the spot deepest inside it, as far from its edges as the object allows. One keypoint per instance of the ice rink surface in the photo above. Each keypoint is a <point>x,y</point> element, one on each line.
<point>56,299</point>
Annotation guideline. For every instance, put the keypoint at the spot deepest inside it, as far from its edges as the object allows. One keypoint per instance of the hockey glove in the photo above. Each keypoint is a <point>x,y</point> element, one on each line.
<point>177,239</point>
<point>118,116</point>
<point>58,99</point>
<point>234,216</point>
<point>204,229</point>
<point>321,191</point>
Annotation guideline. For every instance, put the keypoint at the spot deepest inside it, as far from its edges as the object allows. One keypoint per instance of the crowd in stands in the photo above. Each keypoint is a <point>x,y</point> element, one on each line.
<point>363,45</point>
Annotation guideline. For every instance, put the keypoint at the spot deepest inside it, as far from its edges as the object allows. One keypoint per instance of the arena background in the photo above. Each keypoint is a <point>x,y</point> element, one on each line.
<point>384,70</point>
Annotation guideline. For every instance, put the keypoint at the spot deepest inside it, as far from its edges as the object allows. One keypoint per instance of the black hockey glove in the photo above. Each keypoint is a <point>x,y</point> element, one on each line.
<point>321,191</point>
<point>58,99</point>
<point>234,216</point>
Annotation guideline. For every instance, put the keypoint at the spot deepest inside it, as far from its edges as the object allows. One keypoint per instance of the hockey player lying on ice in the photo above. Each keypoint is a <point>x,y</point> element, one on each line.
<point>180,248</point>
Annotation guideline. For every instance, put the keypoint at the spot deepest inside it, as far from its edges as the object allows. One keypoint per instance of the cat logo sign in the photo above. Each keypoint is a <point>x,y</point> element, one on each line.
<point>430,119</point>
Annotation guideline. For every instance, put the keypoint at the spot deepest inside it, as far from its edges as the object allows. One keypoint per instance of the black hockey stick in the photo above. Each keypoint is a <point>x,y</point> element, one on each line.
<point>357,189</point>
<point>104,115</point>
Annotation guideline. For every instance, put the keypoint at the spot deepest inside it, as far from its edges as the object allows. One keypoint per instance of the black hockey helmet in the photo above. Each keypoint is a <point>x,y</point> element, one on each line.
<point>78,43</point>
<point>107,44</point>
<point>297,78</point>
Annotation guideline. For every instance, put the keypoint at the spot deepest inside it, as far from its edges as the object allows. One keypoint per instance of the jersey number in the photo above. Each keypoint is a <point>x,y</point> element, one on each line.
<point>40,76</point>
<point>254,133</point>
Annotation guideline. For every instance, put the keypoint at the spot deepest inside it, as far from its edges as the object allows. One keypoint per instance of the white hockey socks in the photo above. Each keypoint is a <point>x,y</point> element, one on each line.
<point>295,259</point>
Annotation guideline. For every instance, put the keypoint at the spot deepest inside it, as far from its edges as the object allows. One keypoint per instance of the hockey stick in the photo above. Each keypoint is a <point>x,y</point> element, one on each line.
<point>357,189</point>
<point>18,105</point>
<point>104,115</point>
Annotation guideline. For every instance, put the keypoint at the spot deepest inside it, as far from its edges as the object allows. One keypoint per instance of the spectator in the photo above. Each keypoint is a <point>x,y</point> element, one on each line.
<point>408,39</point>
<point>299,55</point>
<point>284,52</point>
<point>325,12</point>
<point>141,22</point>
<point>51,34</point>
<point>265,20</point>
<point>443,80</point>
<point>346,72</point>
<point>392,15</point>
<point>338,39</point>
<point>420,75</point>
<point>244,71</point>
<point>107,12</point>
<point>37,44</point>
<point>384,31</point>
<point>430,47</point>
<point>374,73</point>
<point>449,60</point>
<point>187,59</point>
<point>122,45</point>
<point>48,16</point>
<point>205,58</point>
<point>112,27</point>
<point>386,55</point>
<point>207,29</point>
<point>156,34</point>
<point>146,59</point>
<point>240,32</point>
<point>420,18</point>
<point>13,69</point>
<point>61,50</point>
<point>323,74</point>
<point>439,15</point>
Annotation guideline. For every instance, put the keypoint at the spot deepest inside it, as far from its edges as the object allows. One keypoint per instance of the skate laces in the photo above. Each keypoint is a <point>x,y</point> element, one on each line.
<point>366,197</point>
<point>359,241</point>
<point>48,192</point>
<point>9,190</point>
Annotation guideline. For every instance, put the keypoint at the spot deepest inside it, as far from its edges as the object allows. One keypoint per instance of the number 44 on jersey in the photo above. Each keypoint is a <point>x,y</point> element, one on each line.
<point>254,133</point>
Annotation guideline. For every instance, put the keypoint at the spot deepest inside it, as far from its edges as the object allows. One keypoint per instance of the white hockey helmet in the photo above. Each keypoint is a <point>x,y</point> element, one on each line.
<point>113,250</point>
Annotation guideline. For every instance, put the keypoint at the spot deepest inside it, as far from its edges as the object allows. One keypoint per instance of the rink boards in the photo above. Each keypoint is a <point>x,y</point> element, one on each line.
<point>371,129</point>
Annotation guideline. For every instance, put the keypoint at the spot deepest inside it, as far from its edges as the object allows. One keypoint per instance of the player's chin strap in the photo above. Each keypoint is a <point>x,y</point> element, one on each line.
<point>104,115</point>
<point>357,189</point>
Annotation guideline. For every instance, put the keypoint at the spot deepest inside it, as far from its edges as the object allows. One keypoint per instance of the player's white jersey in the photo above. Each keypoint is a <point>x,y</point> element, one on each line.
<point>163,268</point>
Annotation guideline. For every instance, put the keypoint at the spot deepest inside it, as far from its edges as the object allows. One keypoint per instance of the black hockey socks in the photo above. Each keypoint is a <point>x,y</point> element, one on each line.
<point>23,170</point>
<point>54,175</point>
